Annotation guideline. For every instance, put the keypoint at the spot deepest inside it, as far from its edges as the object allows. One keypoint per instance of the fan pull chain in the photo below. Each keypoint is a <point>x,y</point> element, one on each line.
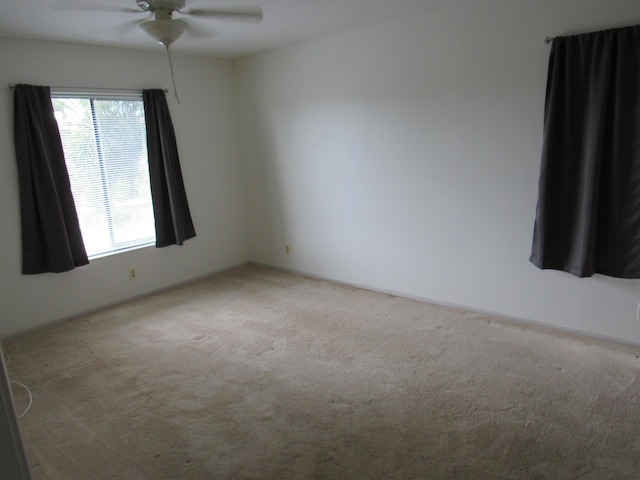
<point>173,78</point>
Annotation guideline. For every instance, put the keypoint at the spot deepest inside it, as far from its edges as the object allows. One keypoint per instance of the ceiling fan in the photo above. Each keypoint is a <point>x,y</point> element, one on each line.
<point>166,29</point>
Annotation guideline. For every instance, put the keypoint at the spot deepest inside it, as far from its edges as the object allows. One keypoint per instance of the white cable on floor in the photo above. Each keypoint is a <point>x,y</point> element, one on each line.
<point>30,397</point>
<point>6,362</point>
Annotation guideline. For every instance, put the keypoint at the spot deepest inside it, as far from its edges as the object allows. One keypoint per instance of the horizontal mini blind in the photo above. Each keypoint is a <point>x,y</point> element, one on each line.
<point>104,142</point>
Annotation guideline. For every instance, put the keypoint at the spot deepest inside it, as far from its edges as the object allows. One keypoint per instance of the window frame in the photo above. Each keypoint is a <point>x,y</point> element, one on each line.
<point>108,95</point>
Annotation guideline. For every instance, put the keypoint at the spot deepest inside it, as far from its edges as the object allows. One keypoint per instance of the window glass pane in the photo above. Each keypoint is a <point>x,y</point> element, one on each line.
<point>104,142</point>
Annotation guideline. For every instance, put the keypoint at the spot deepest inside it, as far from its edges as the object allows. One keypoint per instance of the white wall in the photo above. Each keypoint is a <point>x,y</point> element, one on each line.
<point>402,156</point>
<point>405,157</point>
<point>206,130</point>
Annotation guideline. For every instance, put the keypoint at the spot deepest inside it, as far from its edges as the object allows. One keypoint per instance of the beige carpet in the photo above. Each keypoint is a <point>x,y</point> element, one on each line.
<point>259,374</point>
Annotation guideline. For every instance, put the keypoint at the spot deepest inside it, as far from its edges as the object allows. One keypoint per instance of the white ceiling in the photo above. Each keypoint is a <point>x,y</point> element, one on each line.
<point>285,22</point>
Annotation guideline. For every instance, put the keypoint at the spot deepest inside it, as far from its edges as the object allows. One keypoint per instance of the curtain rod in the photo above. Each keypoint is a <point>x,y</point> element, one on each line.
<point>95,89</point>
<point>548,40</point>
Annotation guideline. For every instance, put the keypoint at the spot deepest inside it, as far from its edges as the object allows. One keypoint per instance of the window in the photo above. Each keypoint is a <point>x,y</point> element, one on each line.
<point>104,142</point>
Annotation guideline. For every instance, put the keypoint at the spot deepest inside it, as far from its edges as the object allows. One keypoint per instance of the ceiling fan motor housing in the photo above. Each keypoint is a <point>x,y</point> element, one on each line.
<point>152,5</point>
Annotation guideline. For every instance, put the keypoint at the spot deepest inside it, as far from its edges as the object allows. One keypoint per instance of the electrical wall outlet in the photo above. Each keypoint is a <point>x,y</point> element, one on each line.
<point>287,249</point>
<point>132,274</point>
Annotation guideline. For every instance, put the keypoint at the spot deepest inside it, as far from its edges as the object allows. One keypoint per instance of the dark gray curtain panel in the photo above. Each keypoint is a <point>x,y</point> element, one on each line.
<point>588,213</point>
<point>171,210</point>
<point>51,238</point>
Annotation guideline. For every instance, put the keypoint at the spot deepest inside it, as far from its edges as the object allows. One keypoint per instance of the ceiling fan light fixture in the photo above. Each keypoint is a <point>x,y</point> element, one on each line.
<point>164,31</point>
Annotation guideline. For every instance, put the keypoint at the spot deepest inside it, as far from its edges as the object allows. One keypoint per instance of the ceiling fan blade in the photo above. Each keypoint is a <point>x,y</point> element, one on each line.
<point>88,6</point>
<point>126,27</point>
<point>198,32</point>
<point>251,14</point>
